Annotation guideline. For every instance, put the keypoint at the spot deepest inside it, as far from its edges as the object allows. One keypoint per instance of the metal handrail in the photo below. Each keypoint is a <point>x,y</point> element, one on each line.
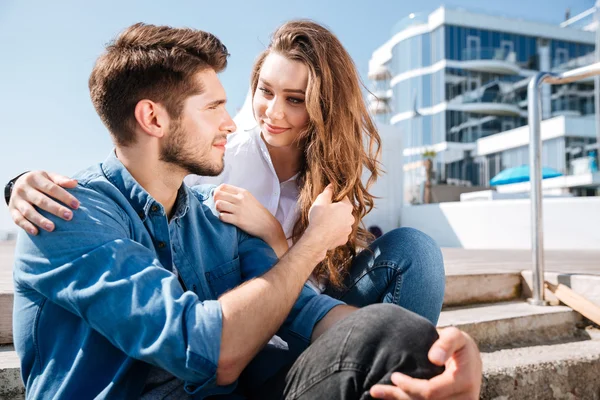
<point>535,158</point>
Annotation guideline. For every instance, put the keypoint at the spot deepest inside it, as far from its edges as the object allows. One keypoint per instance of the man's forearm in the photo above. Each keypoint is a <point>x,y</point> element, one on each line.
<point>335,315</point>
<point>253,312</point>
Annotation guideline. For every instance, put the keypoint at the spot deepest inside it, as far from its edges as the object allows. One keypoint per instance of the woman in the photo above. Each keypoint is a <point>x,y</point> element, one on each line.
<point>312,126</point>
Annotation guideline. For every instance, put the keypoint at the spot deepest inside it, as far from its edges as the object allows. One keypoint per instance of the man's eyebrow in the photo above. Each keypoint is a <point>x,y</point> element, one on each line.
<point>285,90</point>
<point>216,103</point>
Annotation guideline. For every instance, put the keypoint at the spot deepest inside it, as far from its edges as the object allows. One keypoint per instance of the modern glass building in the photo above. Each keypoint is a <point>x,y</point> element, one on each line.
<point>451,79</point>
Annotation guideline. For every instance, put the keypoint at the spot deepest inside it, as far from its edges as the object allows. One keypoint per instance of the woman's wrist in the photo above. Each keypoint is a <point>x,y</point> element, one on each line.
<point>276,238</point>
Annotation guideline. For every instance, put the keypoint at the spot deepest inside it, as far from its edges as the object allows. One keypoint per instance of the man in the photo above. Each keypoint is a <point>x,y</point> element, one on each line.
<point>146,293</point>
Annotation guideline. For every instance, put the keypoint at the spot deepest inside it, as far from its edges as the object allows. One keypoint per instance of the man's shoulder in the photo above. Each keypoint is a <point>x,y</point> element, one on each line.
<point>98,196</point>
<point>204,195</point>
<point>92,182</point>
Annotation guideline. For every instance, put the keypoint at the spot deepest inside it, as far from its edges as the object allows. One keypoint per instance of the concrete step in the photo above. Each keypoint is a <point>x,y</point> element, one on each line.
<point>585,285</point>
<point>6,291</point>
<point>464,289</point>
<point>513,324</point>
<point>559,371</point>
<point>11,385</point>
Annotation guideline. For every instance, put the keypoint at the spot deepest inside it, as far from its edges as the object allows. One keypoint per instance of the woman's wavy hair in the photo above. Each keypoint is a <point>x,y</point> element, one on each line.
<point>340,139</point>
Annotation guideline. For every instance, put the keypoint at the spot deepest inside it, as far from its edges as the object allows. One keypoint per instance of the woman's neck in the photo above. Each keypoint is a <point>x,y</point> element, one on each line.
<point>286,160</point>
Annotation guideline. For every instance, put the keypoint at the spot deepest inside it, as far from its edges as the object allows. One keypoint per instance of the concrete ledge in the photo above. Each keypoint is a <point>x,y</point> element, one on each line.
<point>513,324</point>
<point>586,285</point>
<point>481,288</point>
<point>562,371</point>
<point>6,311</point>
<point>11,385</point>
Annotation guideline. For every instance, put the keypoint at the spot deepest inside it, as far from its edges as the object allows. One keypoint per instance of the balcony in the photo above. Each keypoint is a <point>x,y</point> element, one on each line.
<point>495,98</point>
<point>381,95</point>
<point>561,64</point>
<point>378,107</point>
<point>494,60</point>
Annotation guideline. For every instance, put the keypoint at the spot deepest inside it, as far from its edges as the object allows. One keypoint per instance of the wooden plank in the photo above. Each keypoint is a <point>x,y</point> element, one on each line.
<point>577,302</point>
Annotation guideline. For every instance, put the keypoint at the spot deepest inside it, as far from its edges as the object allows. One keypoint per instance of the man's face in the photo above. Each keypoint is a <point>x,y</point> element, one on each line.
<point>196,141</point>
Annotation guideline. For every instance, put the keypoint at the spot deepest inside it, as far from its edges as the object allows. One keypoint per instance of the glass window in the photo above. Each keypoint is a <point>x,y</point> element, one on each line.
<point>495,40</point>
<point>427,137</point>
<point>485,39</point>
<point>425,50</point>
<point>522,49</point>
<point>461,43</point>
<point>426,91</point>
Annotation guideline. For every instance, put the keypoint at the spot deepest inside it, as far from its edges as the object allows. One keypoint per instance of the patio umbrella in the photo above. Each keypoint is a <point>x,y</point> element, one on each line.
<point>520,174</point>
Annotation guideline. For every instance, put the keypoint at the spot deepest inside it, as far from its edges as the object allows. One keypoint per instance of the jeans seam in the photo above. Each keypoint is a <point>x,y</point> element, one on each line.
<point>381,264</point>
<point>336,365</point>
<point>38,316</point>
<point>325,373</point>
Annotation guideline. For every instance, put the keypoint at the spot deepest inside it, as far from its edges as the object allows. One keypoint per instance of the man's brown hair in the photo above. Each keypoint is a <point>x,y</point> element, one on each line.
<point>150,62</point>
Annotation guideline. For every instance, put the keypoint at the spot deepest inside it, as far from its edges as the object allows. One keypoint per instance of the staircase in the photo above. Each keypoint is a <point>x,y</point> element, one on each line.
<point>528,352</point>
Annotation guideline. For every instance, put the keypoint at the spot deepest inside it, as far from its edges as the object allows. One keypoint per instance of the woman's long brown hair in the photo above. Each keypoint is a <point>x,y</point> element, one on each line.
<point>340,139</point>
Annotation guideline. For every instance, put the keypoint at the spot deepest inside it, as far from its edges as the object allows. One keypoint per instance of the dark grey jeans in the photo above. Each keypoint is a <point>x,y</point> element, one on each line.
<point>358,352</point>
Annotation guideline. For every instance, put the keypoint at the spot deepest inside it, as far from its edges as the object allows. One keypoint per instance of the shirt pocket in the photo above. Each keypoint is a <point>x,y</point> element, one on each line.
<point>224,277</point>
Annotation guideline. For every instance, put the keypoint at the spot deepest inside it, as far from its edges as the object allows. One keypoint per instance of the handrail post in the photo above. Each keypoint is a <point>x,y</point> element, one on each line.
<point>535,172</point>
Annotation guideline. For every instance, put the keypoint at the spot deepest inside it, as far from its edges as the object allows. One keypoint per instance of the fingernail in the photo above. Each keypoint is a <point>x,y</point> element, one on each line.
<point>376,392</point>
<point>74,204</point>
<point>32,231</point>
<point>437,355</point>
<point>48,226</point>
<point>67,214</point>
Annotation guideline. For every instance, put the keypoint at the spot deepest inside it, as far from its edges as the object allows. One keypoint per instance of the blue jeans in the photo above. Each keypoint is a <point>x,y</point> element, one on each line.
<point>355,354</point>
<point>403,267</point>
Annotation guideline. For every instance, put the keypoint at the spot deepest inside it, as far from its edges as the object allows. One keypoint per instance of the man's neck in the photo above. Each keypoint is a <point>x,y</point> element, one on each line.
<point>160,180</point>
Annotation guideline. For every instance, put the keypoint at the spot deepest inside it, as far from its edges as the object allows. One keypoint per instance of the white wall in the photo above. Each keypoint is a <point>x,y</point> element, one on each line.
<point>390,186</point>
<point>569,223</point>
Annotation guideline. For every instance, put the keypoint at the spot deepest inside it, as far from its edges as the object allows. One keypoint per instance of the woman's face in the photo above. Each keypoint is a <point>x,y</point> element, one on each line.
<point>278,101</point>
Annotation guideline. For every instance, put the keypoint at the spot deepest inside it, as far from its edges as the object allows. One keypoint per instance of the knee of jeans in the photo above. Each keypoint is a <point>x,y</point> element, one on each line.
<point>418,247</point>
<point>383,321</point>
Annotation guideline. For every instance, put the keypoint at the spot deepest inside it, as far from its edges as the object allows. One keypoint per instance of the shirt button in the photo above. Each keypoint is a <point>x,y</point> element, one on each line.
<point>161,245</point>
<point>141,215</point>
<point>154,208</point>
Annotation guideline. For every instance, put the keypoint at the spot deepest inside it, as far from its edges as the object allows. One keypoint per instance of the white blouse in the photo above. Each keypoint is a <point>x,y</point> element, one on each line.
<point>248,165</point>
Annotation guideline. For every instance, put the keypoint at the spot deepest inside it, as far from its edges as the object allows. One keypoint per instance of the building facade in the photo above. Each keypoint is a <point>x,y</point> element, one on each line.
<point>451,78</point>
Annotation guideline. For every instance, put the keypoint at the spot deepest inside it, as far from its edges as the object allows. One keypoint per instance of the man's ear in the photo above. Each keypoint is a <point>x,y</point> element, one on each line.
<point>152,118</point>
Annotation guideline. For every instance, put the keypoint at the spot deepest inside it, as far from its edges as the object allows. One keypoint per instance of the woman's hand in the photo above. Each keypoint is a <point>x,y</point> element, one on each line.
<point>41,189</point>
<point>239,207</point>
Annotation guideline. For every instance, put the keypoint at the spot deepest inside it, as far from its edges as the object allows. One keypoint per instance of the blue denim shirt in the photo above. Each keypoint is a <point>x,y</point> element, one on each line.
<point>96,301</point>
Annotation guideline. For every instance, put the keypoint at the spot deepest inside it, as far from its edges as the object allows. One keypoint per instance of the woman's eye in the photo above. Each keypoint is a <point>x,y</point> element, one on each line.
<point>265,91</point>
<point>294,100</point>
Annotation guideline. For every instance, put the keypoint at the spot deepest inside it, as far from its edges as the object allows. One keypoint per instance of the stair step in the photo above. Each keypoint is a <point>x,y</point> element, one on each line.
<point>513,324</point>
<point>11,385</point>
<point>585,285</point>
<point>559,371</point>
<point>464,289</point>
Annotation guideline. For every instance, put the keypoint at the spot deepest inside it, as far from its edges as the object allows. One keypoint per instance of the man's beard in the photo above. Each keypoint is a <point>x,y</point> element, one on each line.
<point>174,152</point>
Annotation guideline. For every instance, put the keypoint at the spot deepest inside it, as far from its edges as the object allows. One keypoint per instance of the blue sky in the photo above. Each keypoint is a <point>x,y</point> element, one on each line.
<point>48,49</point>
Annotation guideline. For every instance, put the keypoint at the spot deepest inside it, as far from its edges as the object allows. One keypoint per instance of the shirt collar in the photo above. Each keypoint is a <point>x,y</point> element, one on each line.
<point>142,202</point>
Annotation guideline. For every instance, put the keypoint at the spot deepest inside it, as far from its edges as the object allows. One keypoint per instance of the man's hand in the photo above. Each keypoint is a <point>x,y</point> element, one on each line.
<point>461,379</point>
<point>330,223</point>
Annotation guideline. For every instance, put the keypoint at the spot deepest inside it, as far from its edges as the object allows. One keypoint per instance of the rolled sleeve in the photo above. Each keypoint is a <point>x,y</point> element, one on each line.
<point>309,309</point>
